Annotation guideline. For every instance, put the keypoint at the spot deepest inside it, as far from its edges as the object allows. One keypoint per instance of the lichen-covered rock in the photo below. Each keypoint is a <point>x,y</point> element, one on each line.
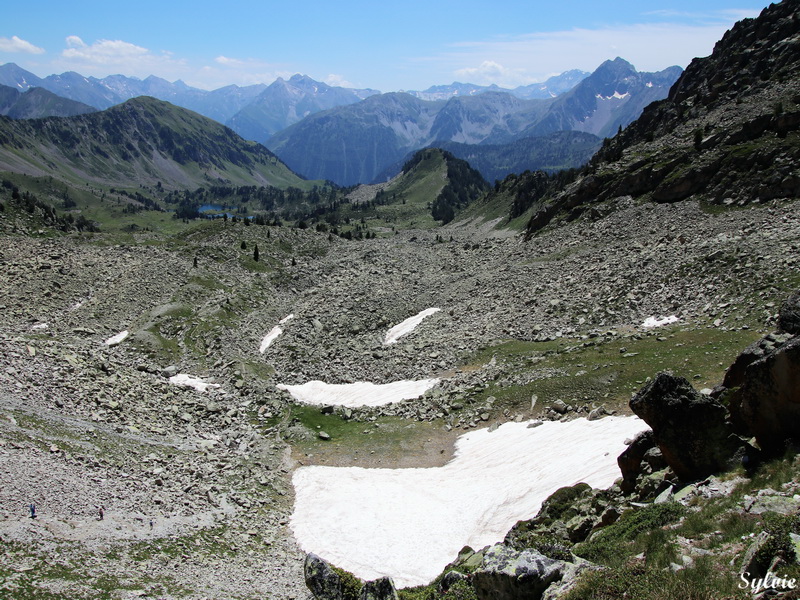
<point>321,579</point>
<point>689,428</point>
<point>379,589</point>
<point>572,573</point>
<point>507,574</point>
<point>449,579</point>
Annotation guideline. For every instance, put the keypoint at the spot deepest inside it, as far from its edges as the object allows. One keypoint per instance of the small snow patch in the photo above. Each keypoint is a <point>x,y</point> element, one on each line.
<point>273,334</point>
<point>407,326</point>
<point>117,339</point>
<point>184,380</point>
<point>651,322</point>
<point>358,394</point>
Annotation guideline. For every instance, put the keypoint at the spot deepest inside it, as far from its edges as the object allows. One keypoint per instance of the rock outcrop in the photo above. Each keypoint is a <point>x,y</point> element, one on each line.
<point>723,132</point>
<point>789,315</point>
<point>329,583</point>
<point>689,428</point>
<point>767,404</point>
<point>321,578</point>
<point>630,460</point>
<point>507,574</point>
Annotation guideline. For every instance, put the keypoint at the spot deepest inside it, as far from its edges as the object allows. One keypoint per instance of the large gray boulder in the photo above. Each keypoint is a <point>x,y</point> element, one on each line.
<point>767,404</point>
<point>507,574</point>
<point>789,315</point>
<point>689,428</point>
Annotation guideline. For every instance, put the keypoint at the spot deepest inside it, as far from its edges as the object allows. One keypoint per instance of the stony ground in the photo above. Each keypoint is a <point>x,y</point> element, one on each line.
<point>196,486</point>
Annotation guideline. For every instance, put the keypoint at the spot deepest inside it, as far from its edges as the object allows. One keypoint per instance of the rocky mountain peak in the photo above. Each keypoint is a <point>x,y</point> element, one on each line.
<point>725,133</point>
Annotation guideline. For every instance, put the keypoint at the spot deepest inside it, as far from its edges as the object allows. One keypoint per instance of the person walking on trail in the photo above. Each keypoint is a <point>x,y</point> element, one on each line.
<point>32,507</point>
<point>102,511</point>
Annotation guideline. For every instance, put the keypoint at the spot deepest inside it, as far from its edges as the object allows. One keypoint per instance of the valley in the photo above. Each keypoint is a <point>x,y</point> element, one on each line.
<point>220,379</point>
<point>212,469</point>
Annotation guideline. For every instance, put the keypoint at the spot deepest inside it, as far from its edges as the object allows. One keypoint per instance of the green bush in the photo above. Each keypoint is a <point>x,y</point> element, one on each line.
<point>606,546</point>
<point>350,585</point>
<point>779,543</point>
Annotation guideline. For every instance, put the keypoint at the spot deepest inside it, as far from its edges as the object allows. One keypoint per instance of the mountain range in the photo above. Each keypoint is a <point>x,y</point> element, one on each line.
<point>552,87</point>
<point>352,136</point>
<point>38,102</point>
<point>358,142</point>
<point>142,141</point>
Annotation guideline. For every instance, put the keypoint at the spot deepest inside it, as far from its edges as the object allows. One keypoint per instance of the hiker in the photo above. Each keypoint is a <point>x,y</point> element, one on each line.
<point>33,510</point>
<point>102,510</point>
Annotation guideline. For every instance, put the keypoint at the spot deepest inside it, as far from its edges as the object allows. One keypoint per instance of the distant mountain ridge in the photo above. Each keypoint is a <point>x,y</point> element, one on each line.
<point>143,141</point>
<point>284,103</point>
<point>552,87</point>
<point>37,102</point>
<point>355,143</point>
<point>256,111</point>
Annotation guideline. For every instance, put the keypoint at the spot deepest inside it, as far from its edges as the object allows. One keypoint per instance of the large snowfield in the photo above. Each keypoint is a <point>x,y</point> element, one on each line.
<point>410,523</point>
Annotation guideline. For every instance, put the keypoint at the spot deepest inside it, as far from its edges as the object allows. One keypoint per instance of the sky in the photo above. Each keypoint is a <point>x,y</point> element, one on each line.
<point>387,46</point>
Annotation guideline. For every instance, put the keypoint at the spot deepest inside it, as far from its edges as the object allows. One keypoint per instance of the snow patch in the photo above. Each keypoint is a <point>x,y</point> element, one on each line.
<point>359,393</point>
<point>274,333</point>
<point>117,339</point>
<point>616,95</point>
<point>184,380</point>
<point>407,326</point>
<point>651,322</point>
<point>410,523</point>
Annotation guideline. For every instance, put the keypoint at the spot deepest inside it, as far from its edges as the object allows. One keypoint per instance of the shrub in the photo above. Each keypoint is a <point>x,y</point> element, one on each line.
<point>605,547</point>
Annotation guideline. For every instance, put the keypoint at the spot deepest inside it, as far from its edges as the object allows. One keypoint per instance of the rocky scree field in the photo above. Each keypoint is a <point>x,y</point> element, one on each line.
<point>86,425</point>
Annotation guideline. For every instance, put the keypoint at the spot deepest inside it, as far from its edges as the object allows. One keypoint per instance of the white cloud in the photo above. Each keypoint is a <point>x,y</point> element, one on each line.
<point>16,44</point>
<point>230,62</point>
<point>73,41</point>
<point>107,57</point>
<point>228,70</point>
<point>103,52</point>
<point>524,59</point>
<point>336,80</point>
<point>490,71</point>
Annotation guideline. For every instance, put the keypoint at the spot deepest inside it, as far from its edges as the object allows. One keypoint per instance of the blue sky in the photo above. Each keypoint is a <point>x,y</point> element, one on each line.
<point>358,43</point>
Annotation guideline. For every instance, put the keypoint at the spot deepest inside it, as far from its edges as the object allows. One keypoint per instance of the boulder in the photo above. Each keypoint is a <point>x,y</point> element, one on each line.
<point>630,461</point>
<point>736,373</point>
<point>689,428</point>
<point>449,579</point>
<point>767,404</point>
<point>507,574</point>
<point>755,563</point>
<point>379,589</point>
<point>789,315</point>
<point>572,573</point>
<point>321,578</point>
